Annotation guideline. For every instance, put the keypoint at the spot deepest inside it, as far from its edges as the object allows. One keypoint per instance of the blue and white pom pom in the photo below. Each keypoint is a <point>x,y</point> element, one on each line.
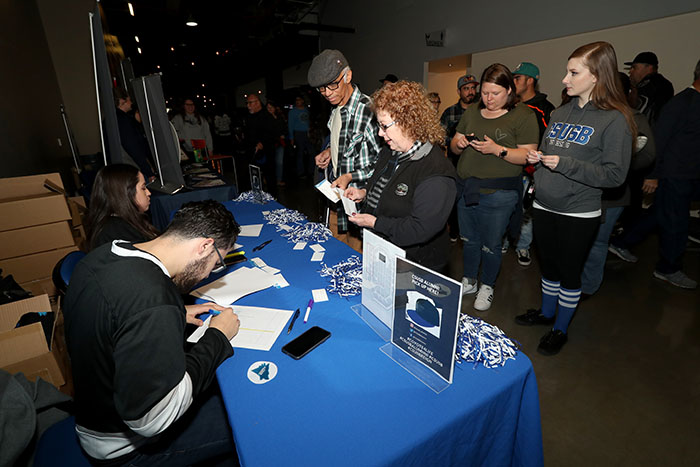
<point>345,277</point>
<point>479,341</point>
<point>284,217</point>
<point>250,197</point>
<point>311,232</point>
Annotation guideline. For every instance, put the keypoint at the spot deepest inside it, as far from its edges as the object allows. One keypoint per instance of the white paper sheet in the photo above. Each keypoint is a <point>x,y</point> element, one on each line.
<point>252,230</point>
<point>317,247</point>
<point>281,281</point>
<point>260,327</point>
<point>262,265</point>
<point>237,284</point>
<point>324,186</point>
<point>300,246</point>
<point>379,275</point>
<point>319,295</point>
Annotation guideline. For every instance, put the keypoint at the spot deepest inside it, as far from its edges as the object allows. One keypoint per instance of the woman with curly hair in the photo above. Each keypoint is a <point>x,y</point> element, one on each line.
<point>118,204</point>
<point>413,187</point>
<point>501,131</point>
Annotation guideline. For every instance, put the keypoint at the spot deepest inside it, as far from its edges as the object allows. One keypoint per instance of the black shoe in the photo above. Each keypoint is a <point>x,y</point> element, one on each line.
<point>552,342</point>
<point>532,317</point>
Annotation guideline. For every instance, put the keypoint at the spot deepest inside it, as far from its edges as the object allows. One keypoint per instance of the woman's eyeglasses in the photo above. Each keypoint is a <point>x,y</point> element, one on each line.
<point>384,127</point>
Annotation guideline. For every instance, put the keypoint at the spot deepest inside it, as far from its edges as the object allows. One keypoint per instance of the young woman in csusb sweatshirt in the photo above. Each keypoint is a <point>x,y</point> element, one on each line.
<point>587,147</point>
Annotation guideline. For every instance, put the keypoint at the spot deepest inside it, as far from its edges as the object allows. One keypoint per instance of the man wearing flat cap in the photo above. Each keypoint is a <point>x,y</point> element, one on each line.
<point>651,89</point>
<point>351,152</point>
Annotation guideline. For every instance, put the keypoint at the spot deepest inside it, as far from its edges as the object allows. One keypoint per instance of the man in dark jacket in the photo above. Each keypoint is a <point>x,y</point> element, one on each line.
<point>651,89</point>
<point>140,396</point>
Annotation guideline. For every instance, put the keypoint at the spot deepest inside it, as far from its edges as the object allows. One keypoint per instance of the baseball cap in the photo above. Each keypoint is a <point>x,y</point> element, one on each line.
<point>527,69</point>
<point>645,57</point>
<point>326,67</point>
<point>466,79</point>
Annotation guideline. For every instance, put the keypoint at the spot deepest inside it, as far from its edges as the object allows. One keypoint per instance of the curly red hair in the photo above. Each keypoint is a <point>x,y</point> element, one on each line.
<point>410,108</point>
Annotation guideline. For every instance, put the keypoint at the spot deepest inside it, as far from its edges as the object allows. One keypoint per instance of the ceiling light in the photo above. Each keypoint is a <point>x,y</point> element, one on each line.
<point>139,49</point>
<point>131,9</point>
<point>202,84</point>
<point>192,63</point>
<point>136,38</point>
<point>172,49</point>
<point>191,22</point>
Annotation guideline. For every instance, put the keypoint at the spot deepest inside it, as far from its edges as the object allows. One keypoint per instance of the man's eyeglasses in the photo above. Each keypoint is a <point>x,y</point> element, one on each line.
<point>384,127</point>
<point>220,265</point>
<point>331,86</point>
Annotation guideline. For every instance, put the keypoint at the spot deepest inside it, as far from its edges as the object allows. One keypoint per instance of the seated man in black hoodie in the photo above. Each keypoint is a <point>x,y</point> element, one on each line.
<point>140,397</point>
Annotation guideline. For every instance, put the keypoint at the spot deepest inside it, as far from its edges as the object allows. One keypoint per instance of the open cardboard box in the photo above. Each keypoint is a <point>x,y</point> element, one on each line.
<point>26,201</point>
<point>25,350</point>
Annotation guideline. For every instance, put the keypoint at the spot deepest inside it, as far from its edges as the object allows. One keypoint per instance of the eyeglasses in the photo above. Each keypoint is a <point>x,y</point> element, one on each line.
<point>220,265</point>
<point>384,127</point>
<point>331,86</point>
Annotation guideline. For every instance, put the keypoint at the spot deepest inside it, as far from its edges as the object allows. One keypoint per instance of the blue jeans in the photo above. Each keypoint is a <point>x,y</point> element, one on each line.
<point>592,275</point>
<point>482,227</point>
<point>201,434</point>
<point>525,239</point>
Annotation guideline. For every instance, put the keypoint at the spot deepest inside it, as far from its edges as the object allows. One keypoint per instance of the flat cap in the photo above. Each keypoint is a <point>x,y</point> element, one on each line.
<point>326,67</point>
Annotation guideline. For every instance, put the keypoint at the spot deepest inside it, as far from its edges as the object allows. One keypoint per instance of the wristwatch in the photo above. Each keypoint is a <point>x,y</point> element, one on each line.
<point>503,153</point>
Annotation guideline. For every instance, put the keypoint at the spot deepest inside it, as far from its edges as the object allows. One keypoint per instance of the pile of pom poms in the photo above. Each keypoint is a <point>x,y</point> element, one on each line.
<point>345,277</point>
<point>311,232</point>
<point>252,197</point>
<point>481,342</point>
<point>284,217</point>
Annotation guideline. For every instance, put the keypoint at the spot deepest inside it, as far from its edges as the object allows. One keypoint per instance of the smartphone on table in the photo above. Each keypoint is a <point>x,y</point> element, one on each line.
<point>306,342</point>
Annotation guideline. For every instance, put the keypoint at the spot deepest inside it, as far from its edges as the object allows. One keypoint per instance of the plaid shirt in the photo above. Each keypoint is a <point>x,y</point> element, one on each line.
<point>449,120</point>
<point>358,144</point>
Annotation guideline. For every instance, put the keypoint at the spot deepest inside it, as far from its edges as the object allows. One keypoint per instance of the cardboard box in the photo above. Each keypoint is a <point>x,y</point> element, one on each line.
<point>35,266</point>
<point>35,239</point>
<point>25,202</point>
<point>24,349</point>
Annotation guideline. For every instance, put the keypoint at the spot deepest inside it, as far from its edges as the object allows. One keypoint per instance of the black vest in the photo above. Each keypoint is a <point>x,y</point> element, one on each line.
<point>397,200</point>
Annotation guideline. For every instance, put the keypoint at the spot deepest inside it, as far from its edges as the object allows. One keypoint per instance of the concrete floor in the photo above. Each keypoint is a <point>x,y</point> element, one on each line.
<point>625,389</point>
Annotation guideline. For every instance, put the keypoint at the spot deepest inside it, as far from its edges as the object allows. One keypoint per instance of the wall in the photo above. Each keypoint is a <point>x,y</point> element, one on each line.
<point>30,121</point>
<point>664,36</point>
<point>67,30</point>
<point>390,35</point>
<point>445,84</point>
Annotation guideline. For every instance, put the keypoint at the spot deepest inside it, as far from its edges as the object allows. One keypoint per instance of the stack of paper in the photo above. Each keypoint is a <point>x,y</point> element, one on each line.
<point>239,283</point>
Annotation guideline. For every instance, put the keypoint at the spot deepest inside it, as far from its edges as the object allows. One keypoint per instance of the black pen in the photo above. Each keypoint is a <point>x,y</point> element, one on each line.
<point>262,245</point>
<point>294,318</point>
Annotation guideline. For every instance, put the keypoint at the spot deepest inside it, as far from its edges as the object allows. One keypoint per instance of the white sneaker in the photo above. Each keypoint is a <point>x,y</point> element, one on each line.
<point>468,286</point>
<point>484,298</point>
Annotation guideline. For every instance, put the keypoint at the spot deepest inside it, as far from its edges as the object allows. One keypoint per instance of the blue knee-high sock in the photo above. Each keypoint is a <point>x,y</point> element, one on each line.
<point>550,293</point>
<point>568,299</point>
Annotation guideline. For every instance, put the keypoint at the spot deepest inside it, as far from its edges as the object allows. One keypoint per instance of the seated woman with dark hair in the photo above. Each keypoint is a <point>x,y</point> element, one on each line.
<point>413,187</point>
<point>118,204</point>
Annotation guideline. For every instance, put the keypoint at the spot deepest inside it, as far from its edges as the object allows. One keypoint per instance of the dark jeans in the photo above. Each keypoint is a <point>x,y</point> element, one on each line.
<point>201,435</point>
<point>563,243</point>
<point>672,201</point>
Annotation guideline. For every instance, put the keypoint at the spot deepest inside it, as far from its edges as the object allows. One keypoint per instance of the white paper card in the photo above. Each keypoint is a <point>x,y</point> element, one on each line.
<point>317,247</point>
<point>252,230</point>
<point>324,186</point>
<point>349,206</point>
<point>300,246</point>
<point>319,295</point>
<point>318,256</point>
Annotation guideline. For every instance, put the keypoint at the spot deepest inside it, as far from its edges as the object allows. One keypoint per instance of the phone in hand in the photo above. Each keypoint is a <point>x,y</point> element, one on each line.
<point>306,342</point>
<point>471,138</point>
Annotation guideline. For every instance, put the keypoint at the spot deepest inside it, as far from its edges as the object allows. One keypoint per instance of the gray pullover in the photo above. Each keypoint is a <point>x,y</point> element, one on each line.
<point>594,148</point>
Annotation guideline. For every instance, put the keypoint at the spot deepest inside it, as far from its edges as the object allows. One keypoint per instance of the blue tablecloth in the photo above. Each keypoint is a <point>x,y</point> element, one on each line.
<point>347,403</point>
